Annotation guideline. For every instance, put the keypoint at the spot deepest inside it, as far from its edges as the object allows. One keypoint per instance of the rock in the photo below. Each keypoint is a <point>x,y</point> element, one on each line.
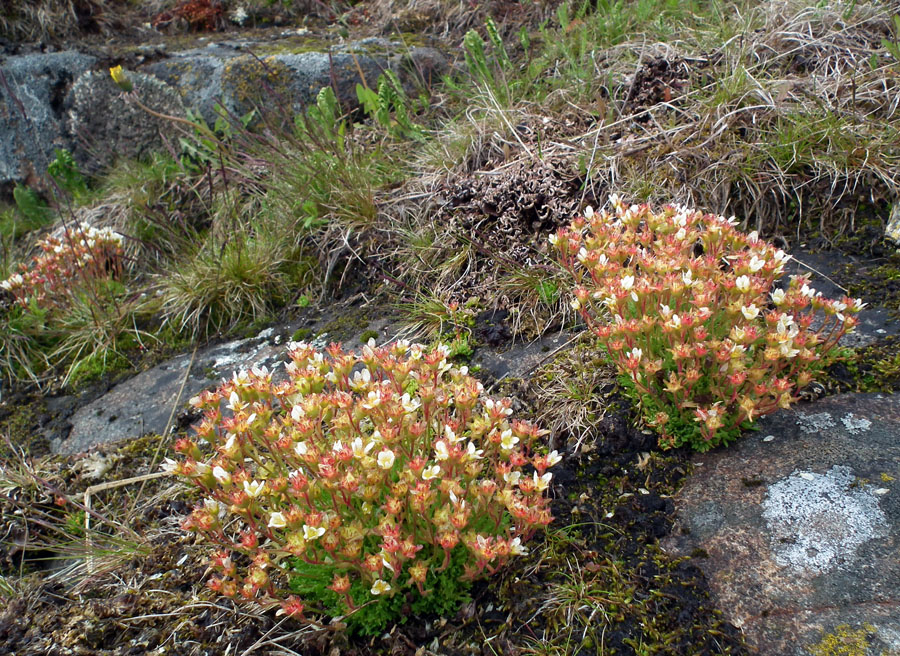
<point>105,125</point>
<point>33,91</point>
<point>797,527</point>
<point>240,82</point>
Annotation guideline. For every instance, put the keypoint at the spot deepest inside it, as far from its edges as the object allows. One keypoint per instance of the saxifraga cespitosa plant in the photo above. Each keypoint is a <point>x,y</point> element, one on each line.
<point>688,310</point>
<point>377,470</point>
<point>81,254</point>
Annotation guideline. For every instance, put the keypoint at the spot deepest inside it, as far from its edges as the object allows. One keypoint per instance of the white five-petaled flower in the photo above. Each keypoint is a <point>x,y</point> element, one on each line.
<point>358,449</point>
<point>637,353</point>
<point>385,458</point>
<point>756,264</point>
<point>431,472</point>
<point>627,282</point>
<point>254,488</point>
<point>234,402</point>
<point>451,436</point>
<point>409,404</point>
<point>778,296</point>
<point>380,587</point>
<point>277,520</point>
<point>541,482</point>
<point>222,476</point>
<point>589,211</point>
<point>297,413</point>
<point>750,312</point>
<point>512,477</point>
<point>553,458</point>
<point>508,441</point>
<point>313,532</point>
<point>472,452</point>
<point>301,449</point>
<point>440,450</point>
<point>742,283</point>
<point>516,548</point>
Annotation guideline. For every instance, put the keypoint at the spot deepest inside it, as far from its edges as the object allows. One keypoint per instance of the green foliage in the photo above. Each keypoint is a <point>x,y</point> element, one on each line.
<point>893,45</point>
<point>32,208</point>
<point>389,106</point>
<point>64,171</point>
<point>447,592</point>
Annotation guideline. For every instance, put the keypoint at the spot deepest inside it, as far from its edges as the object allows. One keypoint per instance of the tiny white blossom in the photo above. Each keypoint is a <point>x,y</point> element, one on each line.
<point>254,488</point>
<point>277,520</point>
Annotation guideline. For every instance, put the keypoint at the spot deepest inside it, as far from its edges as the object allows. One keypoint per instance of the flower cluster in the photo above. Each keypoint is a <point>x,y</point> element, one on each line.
<point>80,254</point>
<point>375,465</point>
<point>688,309</point>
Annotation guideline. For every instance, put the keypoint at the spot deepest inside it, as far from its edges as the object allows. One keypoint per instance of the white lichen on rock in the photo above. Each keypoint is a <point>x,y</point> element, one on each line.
<point>817,521</point>
<point>855,425</point>
<point>815,422</point>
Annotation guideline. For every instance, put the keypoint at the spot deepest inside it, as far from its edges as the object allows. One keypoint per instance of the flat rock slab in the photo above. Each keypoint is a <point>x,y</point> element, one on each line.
<point>143,404</point>
<point>797,526</point>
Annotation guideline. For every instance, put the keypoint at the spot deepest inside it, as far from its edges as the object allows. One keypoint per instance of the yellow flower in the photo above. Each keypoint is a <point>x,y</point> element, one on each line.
<point>119,77</point>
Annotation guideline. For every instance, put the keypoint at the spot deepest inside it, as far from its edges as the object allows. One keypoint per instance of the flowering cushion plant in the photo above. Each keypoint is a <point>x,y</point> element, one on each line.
<point>82,253</point>
<point>688,309</point>
<point>378,468</point>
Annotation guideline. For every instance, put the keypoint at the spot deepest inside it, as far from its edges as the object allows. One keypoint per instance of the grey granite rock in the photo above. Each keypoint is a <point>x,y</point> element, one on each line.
<point>105,124</point>
<point>797,526</point>
<point>33,90</point>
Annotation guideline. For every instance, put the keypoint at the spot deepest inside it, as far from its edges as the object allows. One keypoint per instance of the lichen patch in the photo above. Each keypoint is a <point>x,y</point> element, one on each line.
<point>817,521</point>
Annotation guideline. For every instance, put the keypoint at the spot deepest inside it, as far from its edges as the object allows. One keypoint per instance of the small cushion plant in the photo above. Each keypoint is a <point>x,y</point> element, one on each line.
<point>689,310</point>
<point>65,265</point>
<point>377,470</point>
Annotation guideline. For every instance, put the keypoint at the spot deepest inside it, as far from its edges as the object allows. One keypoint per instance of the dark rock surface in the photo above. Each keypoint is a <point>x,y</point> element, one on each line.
<point>104,125</point>
<point>143,404</point>
<point>797,527</point>
<point>33,90</point>
<point>101,125</point>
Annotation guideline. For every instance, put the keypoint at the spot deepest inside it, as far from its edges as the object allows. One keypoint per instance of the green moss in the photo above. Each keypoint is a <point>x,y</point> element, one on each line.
<point>301,334</point>
<point>367,335</point>
<point>844,641</point>
<point>20,423</point>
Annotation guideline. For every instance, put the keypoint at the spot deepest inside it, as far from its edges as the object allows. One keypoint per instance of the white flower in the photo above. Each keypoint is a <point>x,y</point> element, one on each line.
<point>589,211</point>
<point>516,548</point>
<point>169,466</point>
<point>778,296</point>
<point>553,458</point>
<point>687,278</point>
<point>627,282</point>
<point>508,441</point>
<point>254,488</point>
<point>440,450</point>
<point>301,449</point>
<point>512,477</point>
<point>409,404</point>
<point>541,482</point>
<point>277,520</point>
<point>637,353</point>
<point>380,587</point>
<point>221,475</point>
<point>431,472</point>
<point>756,264</point>
<point>297,413</point>
<point>337,446</point>
<point>358,449</point>
<point>857,305</point>
<point>313,532</point>
<point>807,291</point>
<point>386,459</point>
<point>750,312</point>
<point>742,284</point>
<point>474,453</point>
<point>234,402</point>
<point>553,239</point>
<point>665,310</point>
